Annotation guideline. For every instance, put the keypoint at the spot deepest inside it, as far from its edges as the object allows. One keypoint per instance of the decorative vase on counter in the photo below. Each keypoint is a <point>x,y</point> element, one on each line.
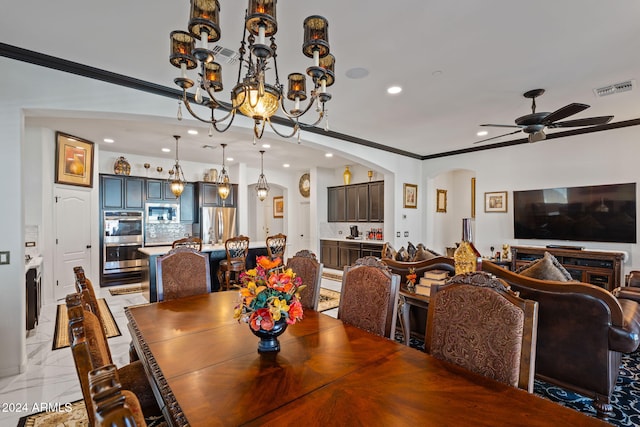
<point>466,257</point>
<point>269,339</point>
<point>346,176</point>
<point>122,166</point>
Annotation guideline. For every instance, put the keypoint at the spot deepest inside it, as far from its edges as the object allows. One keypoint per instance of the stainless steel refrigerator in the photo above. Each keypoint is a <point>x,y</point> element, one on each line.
<point>217,225</point>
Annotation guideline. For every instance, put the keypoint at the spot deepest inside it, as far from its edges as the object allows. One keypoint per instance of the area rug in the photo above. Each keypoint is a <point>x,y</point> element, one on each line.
<point>625,398</point>
<point>328,299</point>
<point>61,335</point>
<point>125,291</point>
<point>75,415</point>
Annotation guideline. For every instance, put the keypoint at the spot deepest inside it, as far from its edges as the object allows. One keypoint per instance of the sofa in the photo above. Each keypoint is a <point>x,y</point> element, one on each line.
<point>582,332</point>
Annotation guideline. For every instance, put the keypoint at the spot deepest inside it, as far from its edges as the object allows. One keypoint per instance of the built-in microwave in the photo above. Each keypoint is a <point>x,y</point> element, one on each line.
<point>162,213</point>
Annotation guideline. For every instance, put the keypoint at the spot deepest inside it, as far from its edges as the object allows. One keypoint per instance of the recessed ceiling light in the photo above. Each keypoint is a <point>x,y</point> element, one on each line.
<point>266,145</point>
<point>192,132</point>
<point>108,140</point>
<point>482,133</point>
<point>166,150</point>
<point>286,165</point>
<point>393,90</point>
<point>357,73</point>
<point>229,159</point>
<point>328,155</point>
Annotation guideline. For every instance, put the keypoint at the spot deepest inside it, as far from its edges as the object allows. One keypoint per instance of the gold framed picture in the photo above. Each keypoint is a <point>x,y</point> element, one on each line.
<point>410,196</point>
<point>441,200</point>
<point>278,207</point>
<point>473,197</point>
<point>74,160</point>
<point>495,202</point>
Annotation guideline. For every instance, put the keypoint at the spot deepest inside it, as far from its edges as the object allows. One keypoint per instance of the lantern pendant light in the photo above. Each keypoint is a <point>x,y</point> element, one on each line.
<point>224,188</point>
<point>262,187</point>
<point>177,175</point>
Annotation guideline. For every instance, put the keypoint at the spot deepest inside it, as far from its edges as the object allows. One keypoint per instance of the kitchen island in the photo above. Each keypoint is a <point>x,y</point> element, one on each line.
<point>216,254</point>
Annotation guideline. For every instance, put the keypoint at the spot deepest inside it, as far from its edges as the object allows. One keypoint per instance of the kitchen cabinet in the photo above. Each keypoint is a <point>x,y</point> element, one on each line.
<point>121,192</point>
<point>348,253</point>
<point>188,211</point>
<point>329,254</point>
<point>209,197</point>
<point>159,190</point>
<point>33,287</point>
<point>337,253</point>
<point>356,203</point>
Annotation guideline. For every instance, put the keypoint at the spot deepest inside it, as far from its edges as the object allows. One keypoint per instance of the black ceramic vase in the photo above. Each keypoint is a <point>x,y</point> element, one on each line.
<point>269,339</point>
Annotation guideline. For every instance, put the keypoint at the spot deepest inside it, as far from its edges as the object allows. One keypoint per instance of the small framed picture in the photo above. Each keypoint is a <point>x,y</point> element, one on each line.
<point>495,202</point>
<point>441,200</point>
<point>473,197</point>
<point>278,207</point>
<point>410,196</point>
<point>74,161</point>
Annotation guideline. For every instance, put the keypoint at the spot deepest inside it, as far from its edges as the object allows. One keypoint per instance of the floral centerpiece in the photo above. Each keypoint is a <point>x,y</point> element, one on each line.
<point>269,301</point>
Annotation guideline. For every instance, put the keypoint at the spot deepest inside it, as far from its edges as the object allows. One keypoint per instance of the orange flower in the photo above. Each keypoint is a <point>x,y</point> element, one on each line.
<point>261,319</point>
<point>268,264</point>
<point>295,312</point>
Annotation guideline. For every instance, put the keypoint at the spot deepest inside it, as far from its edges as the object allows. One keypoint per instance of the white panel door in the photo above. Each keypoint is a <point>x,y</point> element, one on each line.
<point>72,238</point>
<point>303,241</point>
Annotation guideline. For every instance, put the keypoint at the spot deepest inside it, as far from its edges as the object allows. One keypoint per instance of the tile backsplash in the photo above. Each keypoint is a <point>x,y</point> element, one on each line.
<point>166,233</point>
<point>333,230</point>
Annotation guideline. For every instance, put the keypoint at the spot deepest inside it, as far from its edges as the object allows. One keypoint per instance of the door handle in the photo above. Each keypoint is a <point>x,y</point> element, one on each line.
<point>88,246</point>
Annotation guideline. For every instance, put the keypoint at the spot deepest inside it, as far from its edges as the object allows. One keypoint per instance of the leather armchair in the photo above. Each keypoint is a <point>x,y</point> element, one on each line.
<point>582,332</point>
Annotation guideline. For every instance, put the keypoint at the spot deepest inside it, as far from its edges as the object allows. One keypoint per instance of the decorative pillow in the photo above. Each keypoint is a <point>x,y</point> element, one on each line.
<point>402,255</point>
<point>388,251</point>
<point>546,268</point>
<point>423,254</point>
<point>411,250</point>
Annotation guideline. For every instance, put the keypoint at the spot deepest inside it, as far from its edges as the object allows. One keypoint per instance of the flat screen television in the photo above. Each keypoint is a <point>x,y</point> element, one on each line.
<point>601,213</point>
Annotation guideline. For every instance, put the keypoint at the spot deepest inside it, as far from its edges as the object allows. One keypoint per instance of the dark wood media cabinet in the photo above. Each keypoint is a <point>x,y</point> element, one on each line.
<point>602,269</point>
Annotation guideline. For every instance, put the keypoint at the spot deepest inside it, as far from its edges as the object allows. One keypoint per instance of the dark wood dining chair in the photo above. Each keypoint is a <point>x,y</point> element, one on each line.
<point>237,249</point>
<point>190,242</point>
<point>182,272</point>
<point>305,265</point>
<point>369,297</point>
<point>113,406</point>
<point>477,322</point>
<point>89,349</point>
<point>276,246</point>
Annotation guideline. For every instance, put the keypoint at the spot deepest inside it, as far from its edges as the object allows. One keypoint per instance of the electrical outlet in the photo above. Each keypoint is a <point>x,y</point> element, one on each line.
<point>4,257</point>
<point>406,234</point>
<point>397,234</point>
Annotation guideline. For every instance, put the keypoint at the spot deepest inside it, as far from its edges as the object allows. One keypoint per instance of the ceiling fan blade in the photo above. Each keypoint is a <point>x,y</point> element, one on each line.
<point>499,136</point>
<point>566,111</point>
<point>502,126</point>
<point>588,121</point>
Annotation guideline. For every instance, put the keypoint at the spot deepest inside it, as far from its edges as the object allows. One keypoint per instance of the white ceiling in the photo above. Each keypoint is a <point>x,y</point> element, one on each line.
<point>461,63</point>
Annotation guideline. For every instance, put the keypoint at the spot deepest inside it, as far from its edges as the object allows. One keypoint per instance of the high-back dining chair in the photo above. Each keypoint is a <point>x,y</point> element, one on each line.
<point>190,242</point>
<point>369,297</point>
<point>182,272</point>
<point>276,246</point>
<point>237,249</point>
<point>89,348</point>
<point>305,264</point>
<point>477,322</point>
<point>113,406</point>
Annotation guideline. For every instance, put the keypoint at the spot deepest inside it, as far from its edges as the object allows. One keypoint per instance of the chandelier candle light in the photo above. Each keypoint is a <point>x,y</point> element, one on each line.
<point>177,175</point>
<point>224,188</point>
<point>262,187</point>
<point>252,95</point>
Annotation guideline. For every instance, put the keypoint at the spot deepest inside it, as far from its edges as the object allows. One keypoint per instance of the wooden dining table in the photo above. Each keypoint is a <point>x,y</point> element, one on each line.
<point>205,371</point>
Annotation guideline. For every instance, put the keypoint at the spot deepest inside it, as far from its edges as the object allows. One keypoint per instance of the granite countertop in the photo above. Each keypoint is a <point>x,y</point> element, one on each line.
<point>161,250</point>
<point>344,239</point>
<point>33,263</point>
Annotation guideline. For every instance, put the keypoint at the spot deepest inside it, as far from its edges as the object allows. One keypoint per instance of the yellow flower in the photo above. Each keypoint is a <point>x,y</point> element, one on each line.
<point>277,307</point>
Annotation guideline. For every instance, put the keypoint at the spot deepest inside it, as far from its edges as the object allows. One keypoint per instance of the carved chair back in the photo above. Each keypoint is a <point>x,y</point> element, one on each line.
<point>276,245</point>
<point>305,264</point>
<point>190,242</point>
<point>182,272</point>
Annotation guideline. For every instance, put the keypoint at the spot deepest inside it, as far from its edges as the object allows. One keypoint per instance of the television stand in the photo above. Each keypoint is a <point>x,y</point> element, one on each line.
<point>570,247</point>
<point>599,268</point>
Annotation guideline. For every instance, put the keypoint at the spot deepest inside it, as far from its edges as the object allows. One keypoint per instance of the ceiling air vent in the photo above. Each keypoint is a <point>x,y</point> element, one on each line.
<point>222,54</point>
<point>615,88</point>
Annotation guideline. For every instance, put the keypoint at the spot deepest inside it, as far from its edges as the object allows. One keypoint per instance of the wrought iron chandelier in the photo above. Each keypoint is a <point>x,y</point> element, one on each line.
<point>262,187</point>
<point>224,188</point>
<point>252,95</point>
<point>176,174</point>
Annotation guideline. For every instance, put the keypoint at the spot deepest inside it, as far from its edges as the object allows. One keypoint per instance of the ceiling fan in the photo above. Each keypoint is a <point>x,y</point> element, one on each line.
<point>535,123</point>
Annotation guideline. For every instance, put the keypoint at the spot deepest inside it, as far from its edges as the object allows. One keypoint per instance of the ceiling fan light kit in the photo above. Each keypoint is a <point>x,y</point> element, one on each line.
<point>252,95</point>
<point>534,124</point>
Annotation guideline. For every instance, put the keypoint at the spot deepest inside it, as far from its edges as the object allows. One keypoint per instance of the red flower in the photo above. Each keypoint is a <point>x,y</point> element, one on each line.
<point>261,319</point>
<point>295,312</point>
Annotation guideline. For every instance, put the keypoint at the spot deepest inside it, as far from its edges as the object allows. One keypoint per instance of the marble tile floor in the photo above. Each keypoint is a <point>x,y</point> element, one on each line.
<point>50,377</point>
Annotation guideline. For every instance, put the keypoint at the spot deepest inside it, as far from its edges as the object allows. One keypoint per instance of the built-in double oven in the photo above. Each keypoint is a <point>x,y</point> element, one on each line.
<point>123,236</point>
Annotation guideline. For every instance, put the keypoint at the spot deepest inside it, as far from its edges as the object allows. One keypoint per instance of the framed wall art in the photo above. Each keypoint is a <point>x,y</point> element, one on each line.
<point>473,197</point>
<point>74,161</point>
<point>441,200</point>
<point>495,202</point>
<point>278,207</point>
<point>410,196</point>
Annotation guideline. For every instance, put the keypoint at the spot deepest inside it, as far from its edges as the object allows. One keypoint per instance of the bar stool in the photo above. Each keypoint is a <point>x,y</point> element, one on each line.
<point>276,245</point>
<point>236,249</point>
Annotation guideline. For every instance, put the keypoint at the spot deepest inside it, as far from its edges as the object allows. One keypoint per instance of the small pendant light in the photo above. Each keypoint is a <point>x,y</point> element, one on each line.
<point>224,187</point>
<point>262,187</point>
<point>177,180</point>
